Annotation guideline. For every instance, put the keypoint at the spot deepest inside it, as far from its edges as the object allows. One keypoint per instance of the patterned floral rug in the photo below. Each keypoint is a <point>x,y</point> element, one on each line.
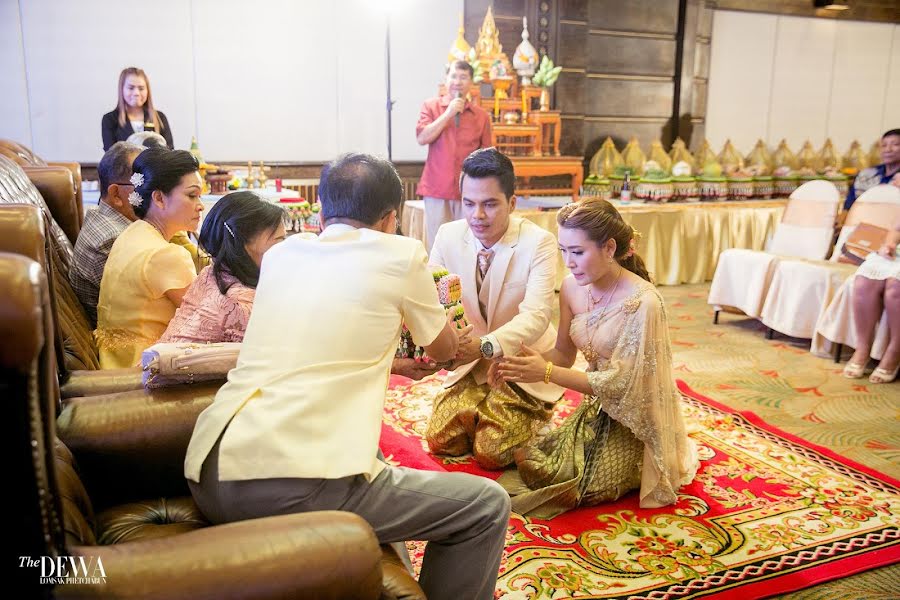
<point>768,513</point>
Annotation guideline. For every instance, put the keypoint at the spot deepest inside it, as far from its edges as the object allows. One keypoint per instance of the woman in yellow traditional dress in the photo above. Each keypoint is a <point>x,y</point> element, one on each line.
<point>628,432</point>
<point>146,275</point>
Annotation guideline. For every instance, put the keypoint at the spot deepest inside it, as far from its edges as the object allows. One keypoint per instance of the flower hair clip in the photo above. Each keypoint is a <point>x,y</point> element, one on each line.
<point>631,249</point>
<point>135,199</point>
<point>137,179</point>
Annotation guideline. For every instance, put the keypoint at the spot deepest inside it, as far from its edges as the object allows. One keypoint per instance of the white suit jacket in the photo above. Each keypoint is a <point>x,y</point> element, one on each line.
<point>522,290</point>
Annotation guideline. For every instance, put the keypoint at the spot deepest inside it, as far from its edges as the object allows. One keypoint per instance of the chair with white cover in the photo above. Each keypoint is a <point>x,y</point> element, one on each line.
<point>836,327</point>
<point>801,290</point>
<point>806,230</point>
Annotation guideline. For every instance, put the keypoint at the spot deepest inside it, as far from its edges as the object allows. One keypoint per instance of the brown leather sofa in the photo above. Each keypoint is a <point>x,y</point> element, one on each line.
<point>131,446</point>
<point>85,494</point>
<point>60,190</point>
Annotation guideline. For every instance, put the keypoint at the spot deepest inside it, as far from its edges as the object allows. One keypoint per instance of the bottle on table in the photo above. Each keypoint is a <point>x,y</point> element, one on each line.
<point>625,194</point>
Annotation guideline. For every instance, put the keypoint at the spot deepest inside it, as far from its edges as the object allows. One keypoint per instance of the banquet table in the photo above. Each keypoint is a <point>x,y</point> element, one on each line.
<point>680,242</point>
<point>92,197</point>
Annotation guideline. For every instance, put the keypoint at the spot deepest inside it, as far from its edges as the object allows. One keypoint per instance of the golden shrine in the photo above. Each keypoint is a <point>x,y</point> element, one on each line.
<point>528,135</point>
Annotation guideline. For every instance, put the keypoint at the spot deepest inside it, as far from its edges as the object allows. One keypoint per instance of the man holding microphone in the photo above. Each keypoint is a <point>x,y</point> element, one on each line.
<point>453,128</point>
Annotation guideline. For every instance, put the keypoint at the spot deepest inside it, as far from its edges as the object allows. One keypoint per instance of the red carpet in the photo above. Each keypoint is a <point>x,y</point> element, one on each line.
<point>768,513</point>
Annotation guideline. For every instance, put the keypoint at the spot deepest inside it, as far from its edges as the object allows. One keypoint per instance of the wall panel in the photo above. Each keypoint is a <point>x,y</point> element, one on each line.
<point>14,121</point>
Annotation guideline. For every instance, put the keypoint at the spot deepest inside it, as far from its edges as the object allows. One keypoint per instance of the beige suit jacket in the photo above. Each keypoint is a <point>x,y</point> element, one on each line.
<point>522,280</point>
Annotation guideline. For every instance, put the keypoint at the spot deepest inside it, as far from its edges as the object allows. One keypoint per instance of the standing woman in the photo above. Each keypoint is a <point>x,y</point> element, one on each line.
<point>146,276</point>
<point>135,111</point>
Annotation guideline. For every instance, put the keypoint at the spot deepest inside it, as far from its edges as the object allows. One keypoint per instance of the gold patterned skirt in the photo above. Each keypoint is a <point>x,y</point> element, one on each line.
<point>589,459</point>
<point>490,423</point>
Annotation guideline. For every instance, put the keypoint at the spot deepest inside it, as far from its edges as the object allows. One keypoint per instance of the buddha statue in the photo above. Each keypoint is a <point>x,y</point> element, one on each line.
<point>488,46</point>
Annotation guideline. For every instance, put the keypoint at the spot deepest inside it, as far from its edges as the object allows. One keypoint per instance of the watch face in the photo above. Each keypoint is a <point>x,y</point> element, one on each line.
<point>487,348</point>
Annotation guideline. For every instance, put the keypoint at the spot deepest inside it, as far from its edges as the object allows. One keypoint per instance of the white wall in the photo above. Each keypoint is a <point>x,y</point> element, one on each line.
<point>275,80</point>
<point>797,78</point>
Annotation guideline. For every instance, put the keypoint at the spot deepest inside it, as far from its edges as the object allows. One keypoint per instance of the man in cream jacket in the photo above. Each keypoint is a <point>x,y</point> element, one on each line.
<point>507,269</point>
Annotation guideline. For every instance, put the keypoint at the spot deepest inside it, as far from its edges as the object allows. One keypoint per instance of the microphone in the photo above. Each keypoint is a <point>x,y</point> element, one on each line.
<point>456,116</point>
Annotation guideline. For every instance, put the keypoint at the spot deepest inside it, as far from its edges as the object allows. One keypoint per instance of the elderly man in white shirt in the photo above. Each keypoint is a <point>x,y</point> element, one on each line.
<point>296,427</point>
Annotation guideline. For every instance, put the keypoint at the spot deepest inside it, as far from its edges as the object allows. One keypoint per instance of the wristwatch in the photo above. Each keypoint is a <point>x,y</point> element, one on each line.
<point>487,348</point>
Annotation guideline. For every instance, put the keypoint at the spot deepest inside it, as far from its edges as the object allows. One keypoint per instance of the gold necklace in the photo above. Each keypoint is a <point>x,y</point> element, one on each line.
<point>589,354</point>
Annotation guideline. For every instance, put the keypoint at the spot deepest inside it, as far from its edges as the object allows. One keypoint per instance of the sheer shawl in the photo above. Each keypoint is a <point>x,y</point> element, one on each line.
<point>630,371</point>
<point>636,387</point>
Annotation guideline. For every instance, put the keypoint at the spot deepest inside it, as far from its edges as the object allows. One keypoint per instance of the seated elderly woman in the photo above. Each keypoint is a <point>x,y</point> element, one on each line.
<point>236,233</point>
<point>876,289</point>
<point>146,276</point>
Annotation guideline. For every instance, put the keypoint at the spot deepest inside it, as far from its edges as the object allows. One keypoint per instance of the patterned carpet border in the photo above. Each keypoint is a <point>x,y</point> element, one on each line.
<point>877,549</point>
<point>769,513</point>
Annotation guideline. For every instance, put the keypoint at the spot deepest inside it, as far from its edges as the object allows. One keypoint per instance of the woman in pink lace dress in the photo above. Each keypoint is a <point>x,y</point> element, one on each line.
<point>236,233</point>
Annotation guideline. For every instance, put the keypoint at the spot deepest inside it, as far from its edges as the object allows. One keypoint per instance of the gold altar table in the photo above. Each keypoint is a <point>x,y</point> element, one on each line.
<point>681,242</point>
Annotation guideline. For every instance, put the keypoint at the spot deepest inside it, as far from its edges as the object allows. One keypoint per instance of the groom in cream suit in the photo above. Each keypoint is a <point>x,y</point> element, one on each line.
<point>507,268</point>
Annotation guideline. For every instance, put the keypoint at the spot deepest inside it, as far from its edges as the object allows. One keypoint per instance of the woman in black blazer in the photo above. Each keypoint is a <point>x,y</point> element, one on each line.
<point>135,111</point>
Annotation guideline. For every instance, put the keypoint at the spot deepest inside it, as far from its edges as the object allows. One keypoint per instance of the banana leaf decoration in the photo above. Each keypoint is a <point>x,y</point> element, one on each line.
<point>659,155</point>
<point>634,157</point>
<point>760,156</point>
<point>730,159</point>
<point>827,158</point>
<point>704,155</point>
<point>875,153</point>
<point>606,159</point>
<point>680,153</point>
<point>546,74</point>
<point>783,157</point>
<point>855,160</point>
<point>806,158</point>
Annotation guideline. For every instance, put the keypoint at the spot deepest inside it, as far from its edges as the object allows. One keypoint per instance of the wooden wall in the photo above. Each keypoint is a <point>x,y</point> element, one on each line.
<point>629,68</point>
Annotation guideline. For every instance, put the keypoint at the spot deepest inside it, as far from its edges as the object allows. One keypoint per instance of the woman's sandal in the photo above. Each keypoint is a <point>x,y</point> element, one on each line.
<point>880,375</point>
<point>853,371</point>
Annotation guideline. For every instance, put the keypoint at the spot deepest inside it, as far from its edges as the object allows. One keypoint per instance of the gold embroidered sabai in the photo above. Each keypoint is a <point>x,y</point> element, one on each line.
<point>630,433</point>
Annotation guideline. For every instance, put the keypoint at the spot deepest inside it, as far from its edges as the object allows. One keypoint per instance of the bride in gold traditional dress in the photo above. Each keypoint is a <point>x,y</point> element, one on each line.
<point>628,432</point>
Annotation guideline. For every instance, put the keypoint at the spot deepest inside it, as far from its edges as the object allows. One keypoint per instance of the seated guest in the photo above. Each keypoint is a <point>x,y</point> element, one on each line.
<point>879,174</point>
<point>236,233</point>
<point>147,139</point>
<point>876,289</point>
<point>102,226</point>
<point>296,427</point>
<point>507,269</point>
<point>146,276</point>
<point>628,432</point>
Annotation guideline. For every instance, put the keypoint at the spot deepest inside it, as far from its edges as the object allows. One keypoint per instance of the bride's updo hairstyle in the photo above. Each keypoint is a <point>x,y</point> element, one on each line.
<point>601,221</point>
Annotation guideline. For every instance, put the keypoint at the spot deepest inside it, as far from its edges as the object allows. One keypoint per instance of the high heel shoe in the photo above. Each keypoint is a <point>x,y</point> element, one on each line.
<point>880,375</point>
<point>853,371</point>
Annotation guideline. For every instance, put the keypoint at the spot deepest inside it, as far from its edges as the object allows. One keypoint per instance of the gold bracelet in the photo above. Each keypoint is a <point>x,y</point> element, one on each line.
<point>547,372</point>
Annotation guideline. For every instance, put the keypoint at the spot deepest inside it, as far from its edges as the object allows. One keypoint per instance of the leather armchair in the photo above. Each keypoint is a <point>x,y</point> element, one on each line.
<point>313,555</point>
<point>71,217</point>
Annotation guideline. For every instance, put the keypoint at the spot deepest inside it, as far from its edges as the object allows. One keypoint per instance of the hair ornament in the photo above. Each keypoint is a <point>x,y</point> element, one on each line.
<point>136,180</point>
<point>134,198</point>
<point>631,249</point>
<point>225,223</point>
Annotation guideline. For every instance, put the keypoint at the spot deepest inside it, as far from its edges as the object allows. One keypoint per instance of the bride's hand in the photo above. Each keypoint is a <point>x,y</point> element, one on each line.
<point>528,367</point>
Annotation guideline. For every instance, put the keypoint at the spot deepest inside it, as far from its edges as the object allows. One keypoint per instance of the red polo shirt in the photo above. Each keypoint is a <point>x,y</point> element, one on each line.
<point>440,178</point>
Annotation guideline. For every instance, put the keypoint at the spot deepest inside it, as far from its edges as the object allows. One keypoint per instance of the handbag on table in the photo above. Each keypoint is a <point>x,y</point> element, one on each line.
<point>170,364</point>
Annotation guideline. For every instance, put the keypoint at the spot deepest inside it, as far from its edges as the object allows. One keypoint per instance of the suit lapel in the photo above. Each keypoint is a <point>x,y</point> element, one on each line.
<point>467,280</point>
<point>500,265</point>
